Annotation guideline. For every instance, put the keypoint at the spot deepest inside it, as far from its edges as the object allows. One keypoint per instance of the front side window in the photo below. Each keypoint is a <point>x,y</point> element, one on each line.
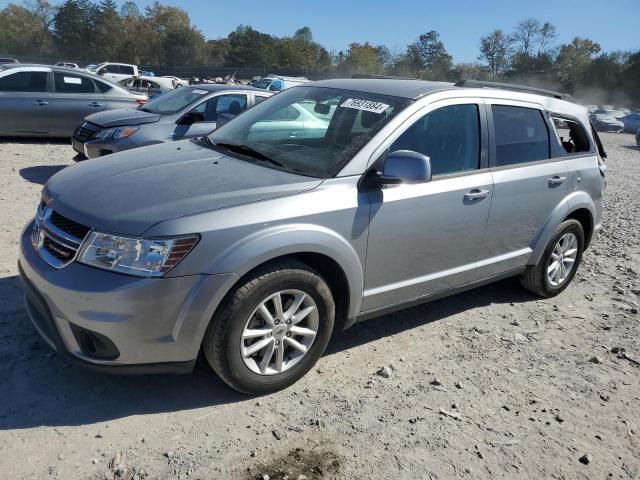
<point>24,82</point>
<point>126,70</point>
<point>521,135</point>
<point>449,136</point>
<point>222,104</point>
<point>259,98</point>
<point>307,130</point>
<point>66,83</point>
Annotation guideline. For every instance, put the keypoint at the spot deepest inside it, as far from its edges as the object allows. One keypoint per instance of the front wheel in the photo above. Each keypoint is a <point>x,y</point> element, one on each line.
<point>559,263</point>
<point>271,329</point>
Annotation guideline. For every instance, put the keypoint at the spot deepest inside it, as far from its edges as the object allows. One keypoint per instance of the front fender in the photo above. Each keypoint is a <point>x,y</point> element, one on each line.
<point>260,247</point>
<point>574,201</point>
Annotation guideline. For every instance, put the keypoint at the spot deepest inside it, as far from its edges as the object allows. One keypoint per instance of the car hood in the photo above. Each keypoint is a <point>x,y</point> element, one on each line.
<point>122,117</point>
<point>129,192</point>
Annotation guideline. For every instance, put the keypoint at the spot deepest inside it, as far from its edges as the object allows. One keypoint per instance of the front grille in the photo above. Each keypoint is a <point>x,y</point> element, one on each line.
<point>69,226</point>
<point>86,131</point>
<point>57,239</point>
<point>58,250</point>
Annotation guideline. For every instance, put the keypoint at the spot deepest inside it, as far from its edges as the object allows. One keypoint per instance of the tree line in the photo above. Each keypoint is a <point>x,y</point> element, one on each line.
<point>87,31</point>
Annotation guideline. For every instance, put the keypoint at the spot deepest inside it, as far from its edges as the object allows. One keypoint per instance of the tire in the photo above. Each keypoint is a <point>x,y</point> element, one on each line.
<point>537,279</point>
<point>223,344</point>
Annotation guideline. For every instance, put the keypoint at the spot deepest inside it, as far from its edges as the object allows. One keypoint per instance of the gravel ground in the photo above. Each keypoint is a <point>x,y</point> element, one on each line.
<point>492,383</point>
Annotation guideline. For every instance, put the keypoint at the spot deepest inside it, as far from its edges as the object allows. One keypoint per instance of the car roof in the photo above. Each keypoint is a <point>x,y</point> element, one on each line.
<point>40,67</point>
<point>217,87</point>
<point>411,89</point>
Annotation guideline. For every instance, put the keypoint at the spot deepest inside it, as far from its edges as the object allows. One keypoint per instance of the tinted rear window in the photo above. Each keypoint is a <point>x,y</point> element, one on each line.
<point>521,135</point>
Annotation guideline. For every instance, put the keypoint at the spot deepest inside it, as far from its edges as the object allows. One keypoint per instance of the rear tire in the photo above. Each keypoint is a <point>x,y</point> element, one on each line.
<point>558,265</point>
<point>307,312</point>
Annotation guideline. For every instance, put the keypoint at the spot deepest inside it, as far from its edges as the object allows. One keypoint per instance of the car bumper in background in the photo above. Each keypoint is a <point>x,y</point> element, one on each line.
<point>118,323</point>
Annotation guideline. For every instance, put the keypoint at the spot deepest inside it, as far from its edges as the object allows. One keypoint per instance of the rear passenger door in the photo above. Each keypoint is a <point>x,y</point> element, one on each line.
<point>24,102</point>
<point>529,181</point>
<point>74,97</point>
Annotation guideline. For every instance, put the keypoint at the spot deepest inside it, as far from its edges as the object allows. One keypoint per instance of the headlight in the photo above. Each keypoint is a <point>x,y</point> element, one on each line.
<point>145,257</point>
<point>117,133</point>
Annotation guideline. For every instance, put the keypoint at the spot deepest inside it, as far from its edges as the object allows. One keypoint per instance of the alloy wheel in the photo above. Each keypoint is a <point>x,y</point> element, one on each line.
<point>279,332</point>
<point>562,259</point>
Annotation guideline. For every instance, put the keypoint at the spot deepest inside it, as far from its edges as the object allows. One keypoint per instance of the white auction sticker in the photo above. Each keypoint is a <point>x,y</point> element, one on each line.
<point>200,92</point>
<point>74,80</point>
<point>367,105</point>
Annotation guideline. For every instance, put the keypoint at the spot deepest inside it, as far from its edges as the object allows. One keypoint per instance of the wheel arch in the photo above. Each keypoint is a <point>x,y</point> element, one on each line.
<point>320,248</point>
<point>578,205</point>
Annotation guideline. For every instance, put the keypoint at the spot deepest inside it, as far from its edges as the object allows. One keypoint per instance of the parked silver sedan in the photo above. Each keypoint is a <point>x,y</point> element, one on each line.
<point>185,112</point>
<point>49,101</point>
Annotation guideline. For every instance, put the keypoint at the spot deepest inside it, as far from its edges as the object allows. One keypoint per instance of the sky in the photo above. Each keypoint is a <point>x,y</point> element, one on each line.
<point>614,24</point>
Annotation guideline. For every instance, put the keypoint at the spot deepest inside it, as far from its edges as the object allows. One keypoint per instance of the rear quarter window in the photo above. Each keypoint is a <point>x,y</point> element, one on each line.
<point>572,135</point>
<point>521,135</point>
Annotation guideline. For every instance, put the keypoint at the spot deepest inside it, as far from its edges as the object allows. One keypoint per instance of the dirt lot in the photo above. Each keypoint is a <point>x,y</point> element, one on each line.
<point>492,383</point>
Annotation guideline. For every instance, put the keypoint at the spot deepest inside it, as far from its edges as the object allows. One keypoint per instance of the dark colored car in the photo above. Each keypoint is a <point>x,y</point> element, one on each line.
<point>606,123</point>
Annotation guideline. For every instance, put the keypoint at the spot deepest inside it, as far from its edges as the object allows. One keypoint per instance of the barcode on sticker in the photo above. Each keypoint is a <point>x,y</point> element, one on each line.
<point>73,80</point>
<point>366,105</point>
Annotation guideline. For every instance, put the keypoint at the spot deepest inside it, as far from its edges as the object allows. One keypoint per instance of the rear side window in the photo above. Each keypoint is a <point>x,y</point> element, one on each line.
<point>521,135</point>
<point>449,136</point>
<point>24,82</point>
<point>66,83</point>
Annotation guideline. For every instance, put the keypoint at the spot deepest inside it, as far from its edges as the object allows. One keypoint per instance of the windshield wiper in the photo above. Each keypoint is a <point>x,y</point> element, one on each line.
<point>246,150</point>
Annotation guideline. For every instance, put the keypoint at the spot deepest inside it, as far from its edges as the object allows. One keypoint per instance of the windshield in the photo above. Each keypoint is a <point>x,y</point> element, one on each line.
<point>93,68</point>
<point>263,83</point>
<point>174,101</point>
<point>313,131</point>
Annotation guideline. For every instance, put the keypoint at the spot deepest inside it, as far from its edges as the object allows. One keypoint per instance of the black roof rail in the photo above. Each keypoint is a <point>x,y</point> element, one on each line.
<point>510,86</point>
<point>381,77</point>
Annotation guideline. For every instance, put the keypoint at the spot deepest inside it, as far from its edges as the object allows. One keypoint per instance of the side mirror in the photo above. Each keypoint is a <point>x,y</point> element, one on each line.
<point>405,166</point>
<point>191,118</point>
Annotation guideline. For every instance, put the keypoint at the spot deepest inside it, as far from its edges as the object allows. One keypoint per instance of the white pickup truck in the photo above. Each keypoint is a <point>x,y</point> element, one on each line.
<point>114,71</point>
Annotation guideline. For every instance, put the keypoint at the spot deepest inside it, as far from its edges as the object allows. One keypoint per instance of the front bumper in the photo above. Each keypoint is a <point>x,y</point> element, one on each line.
<point>101,147</point>
<point>154,324</point>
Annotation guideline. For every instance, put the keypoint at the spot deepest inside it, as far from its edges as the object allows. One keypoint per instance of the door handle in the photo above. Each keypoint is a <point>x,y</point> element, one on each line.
<point>476,194</point>
<point>556,180</point>
<point>293,134</point>
<point>95,104</point>
<point>40,103</point>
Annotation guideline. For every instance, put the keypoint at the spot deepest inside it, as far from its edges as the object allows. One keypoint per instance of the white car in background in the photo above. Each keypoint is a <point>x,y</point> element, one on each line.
<point>152,86</point>
<point>114,71</point>
<point>180,82</point>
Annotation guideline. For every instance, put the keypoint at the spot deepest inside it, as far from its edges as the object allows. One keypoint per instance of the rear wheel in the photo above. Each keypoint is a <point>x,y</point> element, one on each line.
<point>559,263</point>
<point>272,329</point>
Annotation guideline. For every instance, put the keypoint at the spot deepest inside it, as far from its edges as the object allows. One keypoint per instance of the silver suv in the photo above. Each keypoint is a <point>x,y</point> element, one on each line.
<point>256,243</point>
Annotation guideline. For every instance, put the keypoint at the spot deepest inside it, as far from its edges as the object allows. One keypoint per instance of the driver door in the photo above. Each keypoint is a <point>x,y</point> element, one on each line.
<point>429,237</point>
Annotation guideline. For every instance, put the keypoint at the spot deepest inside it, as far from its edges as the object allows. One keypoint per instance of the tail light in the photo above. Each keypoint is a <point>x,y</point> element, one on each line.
<point>141,101</point>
